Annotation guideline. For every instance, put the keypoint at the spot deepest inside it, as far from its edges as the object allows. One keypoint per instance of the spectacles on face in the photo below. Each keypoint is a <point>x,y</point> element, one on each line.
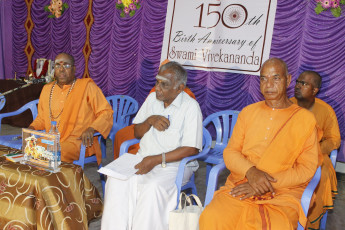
<point>302,83</point>
<point>65,66</point>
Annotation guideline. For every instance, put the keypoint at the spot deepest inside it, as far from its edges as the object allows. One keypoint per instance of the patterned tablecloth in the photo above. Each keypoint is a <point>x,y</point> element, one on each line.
<point>34,199</point>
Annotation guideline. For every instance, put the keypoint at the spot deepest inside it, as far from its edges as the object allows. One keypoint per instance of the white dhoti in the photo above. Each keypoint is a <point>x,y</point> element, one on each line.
<point>142,202</point>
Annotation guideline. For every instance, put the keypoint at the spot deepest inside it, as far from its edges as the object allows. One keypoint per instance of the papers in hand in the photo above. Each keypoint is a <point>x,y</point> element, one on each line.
<point>123,167</point>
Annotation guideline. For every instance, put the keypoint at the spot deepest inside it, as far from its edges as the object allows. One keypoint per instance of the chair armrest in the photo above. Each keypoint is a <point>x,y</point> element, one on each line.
<point>97,134</point>
<point>183,164</point>
<point>30,105</point>
<point>125,145</point>
<point>82,160</point>
<point>333,157</point>
<point>309,190</point>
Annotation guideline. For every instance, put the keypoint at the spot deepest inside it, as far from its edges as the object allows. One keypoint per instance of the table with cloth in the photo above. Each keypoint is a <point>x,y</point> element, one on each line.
<point>35,199</point>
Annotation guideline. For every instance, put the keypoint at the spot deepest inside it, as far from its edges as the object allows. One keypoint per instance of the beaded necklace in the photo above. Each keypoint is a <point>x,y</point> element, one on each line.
<point>50,102</point>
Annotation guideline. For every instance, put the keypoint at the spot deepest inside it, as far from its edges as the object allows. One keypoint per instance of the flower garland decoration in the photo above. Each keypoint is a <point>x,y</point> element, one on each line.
<point>43,71</point>
<point>56,8</point>
<point>128,7</point>
<point>333,5</point>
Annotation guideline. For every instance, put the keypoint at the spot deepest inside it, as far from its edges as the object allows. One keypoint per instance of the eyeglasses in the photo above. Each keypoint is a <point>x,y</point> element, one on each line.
<point>303,83</point>
<point>65,66</point>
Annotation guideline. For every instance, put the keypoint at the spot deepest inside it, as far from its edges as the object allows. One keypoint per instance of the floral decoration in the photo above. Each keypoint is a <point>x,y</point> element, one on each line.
<point>56,8</point>
<point>128,7</point>
<point>333,5</point>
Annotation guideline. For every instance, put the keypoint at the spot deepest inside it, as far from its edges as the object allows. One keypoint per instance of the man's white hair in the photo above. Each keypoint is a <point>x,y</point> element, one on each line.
<point>180,73</point>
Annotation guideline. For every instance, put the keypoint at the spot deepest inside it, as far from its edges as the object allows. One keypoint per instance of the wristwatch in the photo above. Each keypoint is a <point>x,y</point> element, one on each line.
<point>164,164</point>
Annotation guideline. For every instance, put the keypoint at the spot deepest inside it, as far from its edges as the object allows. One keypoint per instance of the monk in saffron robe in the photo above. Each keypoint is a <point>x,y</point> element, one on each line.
<point>79,108</point>
<point>272,155</point>
<point>307,86</point>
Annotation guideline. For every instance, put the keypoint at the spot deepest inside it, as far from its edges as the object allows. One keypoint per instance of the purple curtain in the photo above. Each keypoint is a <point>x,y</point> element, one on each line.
<point>126,51</point>
<point>5,39</point>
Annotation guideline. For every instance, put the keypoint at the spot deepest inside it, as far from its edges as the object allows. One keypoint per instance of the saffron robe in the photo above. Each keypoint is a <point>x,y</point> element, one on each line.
<point>327,189</point>
<point>127,133</point>
<point>284,144</point>
<point>84,107</point>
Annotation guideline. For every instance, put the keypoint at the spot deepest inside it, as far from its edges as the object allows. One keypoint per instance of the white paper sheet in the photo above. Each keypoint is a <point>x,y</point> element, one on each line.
<point>123,167</point>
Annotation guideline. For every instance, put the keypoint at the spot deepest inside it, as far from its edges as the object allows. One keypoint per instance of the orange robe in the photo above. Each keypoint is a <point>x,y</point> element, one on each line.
<point>84,107</point>
<point>327,188</point>
<point>281,142</point>
<point>127,133</point>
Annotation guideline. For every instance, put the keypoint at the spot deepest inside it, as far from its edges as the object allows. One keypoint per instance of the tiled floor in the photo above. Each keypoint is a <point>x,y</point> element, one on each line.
<point>335,221</point>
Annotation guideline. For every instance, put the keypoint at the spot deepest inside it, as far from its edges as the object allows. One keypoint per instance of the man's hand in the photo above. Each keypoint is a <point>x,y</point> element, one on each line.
<point>260,181</point>
<point>244,190</point>
<point>160,123</point>
<point>87,137</point>
<point>147,164</point>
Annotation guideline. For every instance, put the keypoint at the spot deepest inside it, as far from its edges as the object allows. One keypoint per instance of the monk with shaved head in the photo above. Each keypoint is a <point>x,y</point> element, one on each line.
<point>272,155</point>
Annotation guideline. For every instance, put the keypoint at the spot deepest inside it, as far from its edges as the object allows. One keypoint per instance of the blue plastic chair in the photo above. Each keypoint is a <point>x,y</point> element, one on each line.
<point>207,142</point>
<point>305,200</point>
<point>12,140</point>
<point>308,193</point>
<point>333,157</point>
<point>223,122</point>
<point>85,160</point>
<point>123,107</point>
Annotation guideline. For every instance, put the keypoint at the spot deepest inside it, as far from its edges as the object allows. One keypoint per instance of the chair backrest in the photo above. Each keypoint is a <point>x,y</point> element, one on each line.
<point>221,122</point>
<point>124,106</point>
<point>308,193</point>
<point>32,105</point>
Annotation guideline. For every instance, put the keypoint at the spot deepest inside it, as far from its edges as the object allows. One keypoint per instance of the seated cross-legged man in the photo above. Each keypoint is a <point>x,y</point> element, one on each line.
<point>169,125</point>
<point>79,108</point>
<point>307,86</point>
<point>272,155</point>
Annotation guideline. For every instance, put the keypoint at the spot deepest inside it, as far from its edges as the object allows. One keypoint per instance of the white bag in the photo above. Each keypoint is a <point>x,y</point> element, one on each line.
<point>186,218</point>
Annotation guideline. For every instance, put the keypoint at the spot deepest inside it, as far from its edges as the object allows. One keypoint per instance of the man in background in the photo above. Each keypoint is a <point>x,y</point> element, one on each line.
<point>307,86</point>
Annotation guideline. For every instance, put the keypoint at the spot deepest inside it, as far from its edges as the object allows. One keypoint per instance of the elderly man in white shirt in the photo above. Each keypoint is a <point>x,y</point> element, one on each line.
<point>169,124</point>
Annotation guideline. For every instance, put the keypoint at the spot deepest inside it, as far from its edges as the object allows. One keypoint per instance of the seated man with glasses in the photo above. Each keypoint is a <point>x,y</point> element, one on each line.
<point>169,126</point>
<point>79,108</point>
<point>307,86</point>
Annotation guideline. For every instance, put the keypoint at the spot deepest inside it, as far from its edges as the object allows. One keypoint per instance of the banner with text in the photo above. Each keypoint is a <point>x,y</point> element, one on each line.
<point>214,35</point>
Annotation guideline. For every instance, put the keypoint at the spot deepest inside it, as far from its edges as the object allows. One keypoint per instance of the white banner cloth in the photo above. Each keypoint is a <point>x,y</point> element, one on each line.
<point>214,35</point>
